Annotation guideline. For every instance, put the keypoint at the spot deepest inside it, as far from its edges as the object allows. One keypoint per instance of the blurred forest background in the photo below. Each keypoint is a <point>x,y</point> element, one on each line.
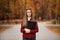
<point>11,10</point>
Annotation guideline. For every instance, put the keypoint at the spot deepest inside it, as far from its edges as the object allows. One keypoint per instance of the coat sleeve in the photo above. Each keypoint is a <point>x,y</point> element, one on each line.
<point>35,30</point>
<point>22,28</point>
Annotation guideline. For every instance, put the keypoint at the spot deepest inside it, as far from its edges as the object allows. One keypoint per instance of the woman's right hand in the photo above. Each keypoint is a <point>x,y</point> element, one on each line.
<point>27,30</point>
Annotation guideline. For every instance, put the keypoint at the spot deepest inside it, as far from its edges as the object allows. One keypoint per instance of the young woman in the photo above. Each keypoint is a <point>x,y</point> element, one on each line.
<point>28,34</point>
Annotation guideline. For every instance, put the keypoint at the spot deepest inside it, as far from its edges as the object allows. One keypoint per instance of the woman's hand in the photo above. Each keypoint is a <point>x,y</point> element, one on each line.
<point>27,30</point>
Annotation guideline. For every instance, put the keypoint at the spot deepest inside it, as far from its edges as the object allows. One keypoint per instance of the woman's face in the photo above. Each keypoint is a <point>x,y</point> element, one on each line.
<point>28,13</point>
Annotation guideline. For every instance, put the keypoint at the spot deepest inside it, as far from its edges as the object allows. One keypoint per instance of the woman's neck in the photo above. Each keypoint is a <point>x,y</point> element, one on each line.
<point>29,18</point>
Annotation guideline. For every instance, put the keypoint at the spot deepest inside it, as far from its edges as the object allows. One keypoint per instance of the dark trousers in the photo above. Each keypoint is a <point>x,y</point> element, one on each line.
<point>29,38</point>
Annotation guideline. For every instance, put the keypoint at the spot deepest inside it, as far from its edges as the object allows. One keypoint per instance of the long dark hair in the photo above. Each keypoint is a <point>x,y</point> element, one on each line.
<point>25,17</point>
<point>31,13</point>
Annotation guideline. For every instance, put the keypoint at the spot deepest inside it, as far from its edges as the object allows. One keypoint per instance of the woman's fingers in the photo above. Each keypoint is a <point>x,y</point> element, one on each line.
<point>27,31</point>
